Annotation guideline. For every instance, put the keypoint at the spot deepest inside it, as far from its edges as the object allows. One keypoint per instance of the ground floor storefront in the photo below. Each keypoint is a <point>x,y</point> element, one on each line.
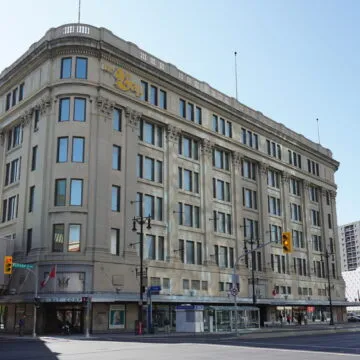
<point>118,316</point>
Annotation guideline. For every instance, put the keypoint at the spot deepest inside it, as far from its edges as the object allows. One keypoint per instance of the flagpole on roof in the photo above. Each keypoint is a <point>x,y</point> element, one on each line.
<point>236,82</point>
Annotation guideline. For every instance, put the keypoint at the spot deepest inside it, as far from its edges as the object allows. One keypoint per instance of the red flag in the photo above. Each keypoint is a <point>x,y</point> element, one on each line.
<point>50,275</point>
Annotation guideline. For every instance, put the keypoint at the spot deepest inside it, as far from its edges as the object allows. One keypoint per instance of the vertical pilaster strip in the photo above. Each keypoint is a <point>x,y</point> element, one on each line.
<point>307,224</point>
<point>285,204</point>
<point>170,197</point>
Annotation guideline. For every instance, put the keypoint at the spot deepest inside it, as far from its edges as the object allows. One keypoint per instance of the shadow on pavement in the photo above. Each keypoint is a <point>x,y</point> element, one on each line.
<point>15,349</point>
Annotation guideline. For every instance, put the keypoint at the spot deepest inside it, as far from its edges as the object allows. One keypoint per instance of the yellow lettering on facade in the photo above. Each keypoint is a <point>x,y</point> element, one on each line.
<point>123,80</point>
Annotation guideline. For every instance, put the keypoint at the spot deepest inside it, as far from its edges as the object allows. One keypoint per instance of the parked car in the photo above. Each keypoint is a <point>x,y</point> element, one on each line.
<point>353,318</point>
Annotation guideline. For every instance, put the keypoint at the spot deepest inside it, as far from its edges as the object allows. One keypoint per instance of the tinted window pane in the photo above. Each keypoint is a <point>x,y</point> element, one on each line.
<point>117,120</point>
<point>58,238</point>
<point>81,68</point>
<point>115,198</point>
<point>60,192</point>
<point>79,109</point>
<point>62,149</point>
<point>149,133</point>
<point>74,237</point>
<point>116,157</point>
<point>66,68</point>
<point>76,192</point>
<point>78,149</point>
<point>162,102</point>
<point>64,110</point>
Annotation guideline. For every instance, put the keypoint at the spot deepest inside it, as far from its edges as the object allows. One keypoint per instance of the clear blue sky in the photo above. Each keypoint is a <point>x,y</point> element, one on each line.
<point>297,60</point>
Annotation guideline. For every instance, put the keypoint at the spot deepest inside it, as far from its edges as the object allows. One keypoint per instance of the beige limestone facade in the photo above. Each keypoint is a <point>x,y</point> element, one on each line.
<point>90,124</point>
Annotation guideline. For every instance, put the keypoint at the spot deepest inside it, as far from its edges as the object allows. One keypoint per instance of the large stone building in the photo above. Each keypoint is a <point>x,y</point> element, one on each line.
<point>89,124</point>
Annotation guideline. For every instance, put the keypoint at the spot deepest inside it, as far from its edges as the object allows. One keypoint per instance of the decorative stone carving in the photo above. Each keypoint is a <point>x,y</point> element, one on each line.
<point>105,106</point>
<point>173,133</point>
<point>236,158</point>
<point>207,147</point>
<point>306,185</point>
<point>26,117</point>
<point>285,177</point>
<point>264,168</point>
<point>332,194</point>
<point>44,104</point>
<point>132,117</point>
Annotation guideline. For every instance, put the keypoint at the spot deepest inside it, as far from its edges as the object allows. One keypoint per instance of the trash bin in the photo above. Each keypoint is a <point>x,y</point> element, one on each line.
<point>138,327</point>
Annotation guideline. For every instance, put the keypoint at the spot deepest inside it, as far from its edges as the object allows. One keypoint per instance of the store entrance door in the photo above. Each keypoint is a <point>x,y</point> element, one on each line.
<point>56,316</point>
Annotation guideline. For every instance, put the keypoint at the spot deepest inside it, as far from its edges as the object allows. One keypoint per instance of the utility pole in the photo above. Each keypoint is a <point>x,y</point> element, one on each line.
<point>327,255</point>
<point>141,220</point>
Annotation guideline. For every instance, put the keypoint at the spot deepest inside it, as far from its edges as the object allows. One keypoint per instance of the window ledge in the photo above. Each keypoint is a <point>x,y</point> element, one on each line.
<point>62,209</point>
<point>12,185</point>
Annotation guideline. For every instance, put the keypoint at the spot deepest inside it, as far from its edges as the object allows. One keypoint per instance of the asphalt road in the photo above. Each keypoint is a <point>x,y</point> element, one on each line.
<point>322,347</point>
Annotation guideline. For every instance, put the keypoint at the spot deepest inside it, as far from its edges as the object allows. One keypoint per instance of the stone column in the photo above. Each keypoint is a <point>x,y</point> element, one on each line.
<point>335,234</point>
<point>132,119</point>
<point>99,177</point>
<point>264,215</point>
<point>170,196</point>
<point>307,225</point>
<point>206,199</point>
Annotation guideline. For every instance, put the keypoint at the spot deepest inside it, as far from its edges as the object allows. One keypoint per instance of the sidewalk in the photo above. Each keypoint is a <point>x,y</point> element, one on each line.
<point>290,330</point>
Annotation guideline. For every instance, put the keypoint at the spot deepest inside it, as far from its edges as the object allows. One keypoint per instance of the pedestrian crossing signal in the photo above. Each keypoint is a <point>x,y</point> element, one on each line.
<point>8,265</point>
<point>286,242</point>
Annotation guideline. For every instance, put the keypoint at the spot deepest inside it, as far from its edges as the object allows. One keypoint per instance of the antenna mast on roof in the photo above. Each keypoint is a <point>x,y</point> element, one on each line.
<point>236,84</point>
<point>318,129</point>
<point>79,11</point>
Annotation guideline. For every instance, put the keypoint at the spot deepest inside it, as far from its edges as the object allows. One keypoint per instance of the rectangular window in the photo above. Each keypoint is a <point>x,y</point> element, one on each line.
<point>275,233</point>
<point>81,68</point>
<point>317,244</point>
<point>116,157</point>
<point>58,238</point>
<point>76,191</point>
<point>198,116</point>
<point>29,241</point>
<point>150,133</point>
<point>221,159</point>
<point>315,218</point>
<point>74,237</point>
<point>274,207</point>
<point>182,108</point>
<point>249,199</point>
<point>13,171</point>
<point>66,65</point>
<point>62,149</point>
<point>298,240</point>
<point>4,210</point>
<point>149,169</point>
<point>144,88</point>
<point>14,97</point>
<point>150,249</point>
<point>188,148</point>
<point>273,178</point>
<point>117,119</point>
<point>248,169</point>
<point>31,198</point>
<point>153,95</point>
<point>60,192</point>
<point>36,119</point>
<point>295,212</point>
<point>115,198</point>
<point>190,252</point>
<point>78,149</point>
<point>329,221</point>
<point>115,242</point>
<point>190,111</point>
<point>21,91</point>
<point>314,193</point>
<point>149,206</point>
<point>64,109</point>
<point>161,248</point>
<point>222,222</point>
<point>199,253</point>
<point>79,109</point>
<point>162,99</point>
<point>8,102</point>
<point>34,158</point>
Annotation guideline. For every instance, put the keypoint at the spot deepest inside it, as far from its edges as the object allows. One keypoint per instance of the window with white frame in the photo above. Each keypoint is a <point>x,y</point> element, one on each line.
<point>188,147</point>
<point>294,187</point>
<point>188,180</point>
<point>221,190</point>
<point>12,171</point>
<point>273,149</point>
<point>249,198</point>
<point>273,178</point>
<point>275,233</point>
<point>221,159</point>
<point>222,222</point>
<point>294,159</point>
<point>151,133</point>
<point>248,169</point>
<point>295,212</point>
<point>298,239</point>
<point>221,126</point>
<point>274,206</point>
<point>249,138</point>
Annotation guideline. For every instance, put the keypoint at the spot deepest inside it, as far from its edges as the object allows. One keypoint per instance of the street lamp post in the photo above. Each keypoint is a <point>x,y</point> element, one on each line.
<point>141,220</point>
<point>327,255</point>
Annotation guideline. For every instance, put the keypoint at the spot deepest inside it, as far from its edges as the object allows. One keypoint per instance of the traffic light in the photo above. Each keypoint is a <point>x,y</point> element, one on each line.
<point>8,265</point>
<point>37,302</point>
<point>286,242</point>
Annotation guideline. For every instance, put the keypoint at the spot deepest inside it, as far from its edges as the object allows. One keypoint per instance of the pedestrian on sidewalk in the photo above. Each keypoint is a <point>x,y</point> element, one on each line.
<point>21,325</point>
<point>288,319</point>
